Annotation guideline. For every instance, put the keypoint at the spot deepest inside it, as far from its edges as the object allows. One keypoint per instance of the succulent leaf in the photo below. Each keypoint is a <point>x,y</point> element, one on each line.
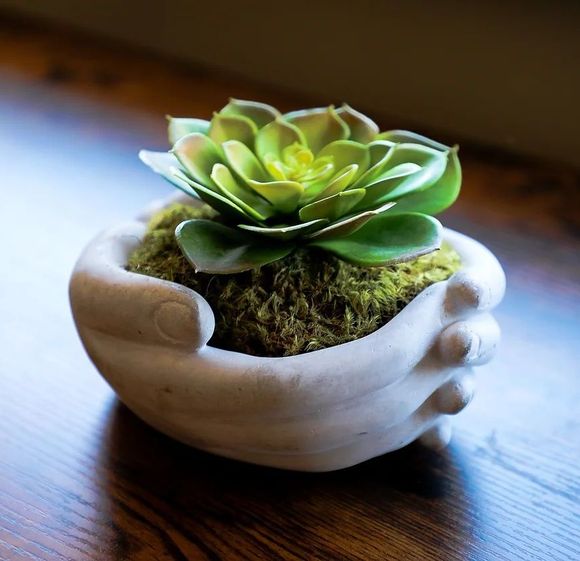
<point>387,239</point>
<point>252,204</point>
<point>217,201</point>
<point>320,126</point>
<point>337,184</point>
<point>197,154</point>
<point>232,127</point>
<point>243,161</point>
<point>431,161</point>
<point>379,152</point>
<point>332,207</point>
<point>349,225</point>
<point>409,167</point>
<point>401,136</point>
<point>283,195</point>
<point>164,164</point>
<point>441,195</point>
<point>273,138</point>
<point>381,189</point>
<point>285,232</point>
<point>362,129</point>
<point>260,113</point>
<point>179,126</point>
<point>214,248</point>
<point>346,152</point>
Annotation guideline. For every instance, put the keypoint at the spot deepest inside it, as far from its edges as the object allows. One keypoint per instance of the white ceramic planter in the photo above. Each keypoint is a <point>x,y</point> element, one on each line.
<point>319,411</point>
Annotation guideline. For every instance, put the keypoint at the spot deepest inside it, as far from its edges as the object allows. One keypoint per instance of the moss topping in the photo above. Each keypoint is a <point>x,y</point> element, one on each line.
<point>308,301</point>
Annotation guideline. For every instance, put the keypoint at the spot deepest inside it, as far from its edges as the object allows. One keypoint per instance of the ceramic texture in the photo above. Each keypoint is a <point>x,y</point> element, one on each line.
<point>319,411</point>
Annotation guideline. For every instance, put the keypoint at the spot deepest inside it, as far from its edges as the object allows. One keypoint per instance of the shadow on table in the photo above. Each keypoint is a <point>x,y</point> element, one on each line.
<point>195,505</point>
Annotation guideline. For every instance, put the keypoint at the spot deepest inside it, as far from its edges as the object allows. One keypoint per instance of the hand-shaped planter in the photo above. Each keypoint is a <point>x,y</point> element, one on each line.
<point>320,411</point>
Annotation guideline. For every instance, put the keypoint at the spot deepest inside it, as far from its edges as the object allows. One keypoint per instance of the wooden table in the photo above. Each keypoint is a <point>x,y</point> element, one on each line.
<point>81,478</point>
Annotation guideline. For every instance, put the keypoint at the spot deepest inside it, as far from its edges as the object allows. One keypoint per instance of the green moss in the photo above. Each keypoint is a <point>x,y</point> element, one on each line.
<point>308,301</point>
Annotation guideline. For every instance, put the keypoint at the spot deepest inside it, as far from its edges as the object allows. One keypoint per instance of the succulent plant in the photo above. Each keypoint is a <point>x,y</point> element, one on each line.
<point>323,177</point>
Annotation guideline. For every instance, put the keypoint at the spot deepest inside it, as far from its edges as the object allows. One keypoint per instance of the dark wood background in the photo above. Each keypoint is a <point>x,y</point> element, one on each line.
<point>81,478</point>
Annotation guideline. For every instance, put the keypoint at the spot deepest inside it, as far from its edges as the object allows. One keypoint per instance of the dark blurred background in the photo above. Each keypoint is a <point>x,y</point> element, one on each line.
<point>505,73</point>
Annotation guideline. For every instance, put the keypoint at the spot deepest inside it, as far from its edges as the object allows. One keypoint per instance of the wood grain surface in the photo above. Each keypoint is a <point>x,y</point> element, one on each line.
<point>82,479</point>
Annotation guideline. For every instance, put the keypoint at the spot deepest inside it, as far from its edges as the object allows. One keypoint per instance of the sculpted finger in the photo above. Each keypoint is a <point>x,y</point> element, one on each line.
<point>470,342</point>
<point>479,285</point>
<point>456,394</point>
<point>105,298</point>
<point>438,436</point>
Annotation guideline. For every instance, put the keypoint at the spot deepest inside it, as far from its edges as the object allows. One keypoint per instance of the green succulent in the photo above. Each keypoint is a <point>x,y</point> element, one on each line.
<point>323,177</point>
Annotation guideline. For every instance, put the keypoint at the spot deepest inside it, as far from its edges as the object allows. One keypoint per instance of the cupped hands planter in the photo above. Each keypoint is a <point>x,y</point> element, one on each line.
<point>319,411</point>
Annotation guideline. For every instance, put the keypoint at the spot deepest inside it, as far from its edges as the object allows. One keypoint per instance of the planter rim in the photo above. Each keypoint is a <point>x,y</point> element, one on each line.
<point>476,261</point>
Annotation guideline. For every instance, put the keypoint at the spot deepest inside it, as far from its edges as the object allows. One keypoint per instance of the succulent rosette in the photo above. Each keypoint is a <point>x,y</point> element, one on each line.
<point>322,177</point>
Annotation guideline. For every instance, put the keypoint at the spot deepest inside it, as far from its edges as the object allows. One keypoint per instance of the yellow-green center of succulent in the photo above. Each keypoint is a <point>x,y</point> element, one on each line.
<point>297,163</point>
